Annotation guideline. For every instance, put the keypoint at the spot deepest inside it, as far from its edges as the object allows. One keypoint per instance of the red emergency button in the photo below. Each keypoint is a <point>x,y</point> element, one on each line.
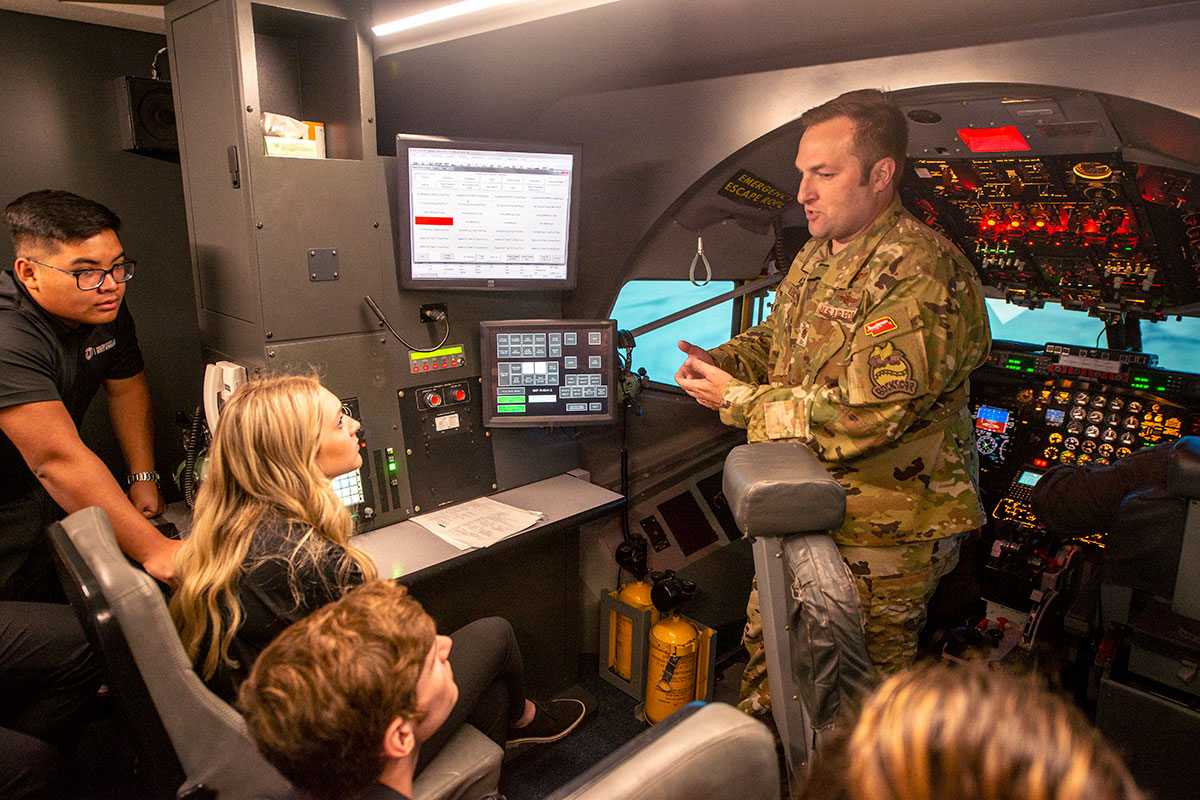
<point>459,394</point>
<point>433,399</point>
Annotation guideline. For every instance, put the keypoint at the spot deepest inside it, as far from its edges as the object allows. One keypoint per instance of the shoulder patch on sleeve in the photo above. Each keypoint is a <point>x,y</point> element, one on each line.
<point>880,326</point>
<point>890,371</point>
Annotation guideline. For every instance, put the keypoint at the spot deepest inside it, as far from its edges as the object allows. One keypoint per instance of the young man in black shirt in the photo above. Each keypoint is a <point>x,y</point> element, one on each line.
<point>64,333</point>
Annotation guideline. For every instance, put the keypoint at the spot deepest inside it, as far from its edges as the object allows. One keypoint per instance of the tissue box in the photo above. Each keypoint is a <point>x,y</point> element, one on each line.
<point>311,147</point>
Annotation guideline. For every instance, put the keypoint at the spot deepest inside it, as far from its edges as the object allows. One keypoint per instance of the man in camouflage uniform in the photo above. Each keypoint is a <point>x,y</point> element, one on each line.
<point>864,359</point>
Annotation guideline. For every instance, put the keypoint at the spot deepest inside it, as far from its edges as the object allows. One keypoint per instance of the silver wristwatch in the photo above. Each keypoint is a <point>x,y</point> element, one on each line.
<point>141,476</point>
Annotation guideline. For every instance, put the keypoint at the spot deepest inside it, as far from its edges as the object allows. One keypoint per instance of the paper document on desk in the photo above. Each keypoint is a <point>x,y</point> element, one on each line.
<point>477,523</point>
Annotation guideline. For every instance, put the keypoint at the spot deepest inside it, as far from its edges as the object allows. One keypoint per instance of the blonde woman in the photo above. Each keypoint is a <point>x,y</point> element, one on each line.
<point>969,733</point>
<point>270,544</point>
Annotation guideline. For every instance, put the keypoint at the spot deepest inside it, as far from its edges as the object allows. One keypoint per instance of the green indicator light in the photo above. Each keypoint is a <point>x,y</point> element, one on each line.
<point>1162,388</point>
<point>514,399</point>
<point>511,409</point>
<point>391,467</point>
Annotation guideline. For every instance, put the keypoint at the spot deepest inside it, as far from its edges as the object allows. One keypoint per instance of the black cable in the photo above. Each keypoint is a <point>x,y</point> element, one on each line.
<point>436,314</point>
<point>191,448</point>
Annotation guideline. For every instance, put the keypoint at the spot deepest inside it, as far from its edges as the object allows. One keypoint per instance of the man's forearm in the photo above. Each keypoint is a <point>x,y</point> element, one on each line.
<point>85,481</point>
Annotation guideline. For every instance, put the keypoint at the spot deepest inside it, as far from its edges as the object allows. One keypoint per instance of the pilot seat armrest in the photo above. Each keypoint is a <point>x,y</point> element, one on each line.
<point>781,489</point>
<point>1183,468</point>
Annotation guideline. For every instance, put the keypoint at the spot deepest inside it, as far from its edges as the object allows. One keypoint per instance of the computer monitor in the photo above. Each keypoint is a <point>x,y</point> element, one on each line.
<point>548,372</point>
<point>486,214</point>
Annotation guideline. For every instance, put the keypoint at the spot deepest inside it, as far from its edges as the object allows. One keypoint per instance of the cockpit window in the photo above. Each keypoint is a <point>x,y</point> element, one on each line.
<point>644,301</point>
<point>1051,323</point>
<point>1174,342</point>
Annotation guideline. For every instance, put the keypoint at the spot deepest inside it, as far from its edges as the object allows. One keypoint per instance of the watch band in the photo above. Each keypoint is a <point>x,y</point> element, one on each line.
<point>141,476</point>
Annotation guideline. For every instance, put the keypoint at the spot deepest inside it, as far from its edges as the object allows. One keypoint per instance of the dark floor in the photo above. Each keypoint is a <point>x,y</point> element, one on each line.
<point>541,770</point>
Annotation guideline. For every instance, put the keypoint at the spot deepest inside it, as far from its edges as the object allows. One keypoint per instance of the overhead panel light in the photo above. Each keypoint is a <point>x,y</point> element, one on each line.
<point>439,14</point>
<point>993,140</point>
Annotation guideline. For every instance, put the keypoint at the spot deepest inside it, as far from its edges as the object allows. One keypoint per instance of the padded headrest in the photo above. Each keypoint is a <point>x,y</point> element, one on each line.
<point>780,488</point>
<point>1183,468</point>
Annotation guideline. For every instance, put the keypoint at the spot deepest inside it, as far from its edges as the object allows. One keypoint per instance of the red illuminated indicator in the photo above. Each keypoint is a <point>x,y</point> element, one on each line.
<point>1041,462</point>
<point>993,140</point>
<point>460,395</point>
<point>433,220</point>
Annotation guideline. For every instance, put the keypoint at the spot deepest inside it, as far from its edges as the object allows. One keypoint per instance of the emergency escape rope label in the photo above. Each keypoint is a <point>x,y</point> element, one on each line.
<point>751,190</point>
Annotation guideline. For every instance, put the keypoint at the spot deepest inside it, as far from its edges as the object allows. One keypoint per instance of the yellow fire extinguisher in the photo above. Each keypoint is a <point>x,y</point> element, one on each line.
<point>637,596</point>
<point>671,672</point>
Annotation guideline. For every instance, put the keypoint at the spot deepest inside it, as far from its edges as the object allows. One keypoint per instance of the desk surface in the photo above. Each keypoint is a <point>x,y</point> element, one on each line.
<point>405,547</point>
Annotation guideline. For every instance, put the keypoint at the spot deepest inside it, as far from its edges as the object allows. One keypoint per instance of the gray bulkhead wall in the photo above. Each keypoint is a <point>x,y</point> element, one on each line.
<point>61,133</point>
<point>263,301</point>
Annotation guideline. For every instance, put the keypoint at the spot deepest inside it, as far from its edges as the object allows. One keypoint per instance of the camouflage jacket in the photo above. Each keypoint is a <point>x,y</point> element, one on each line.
<point>865,358</point>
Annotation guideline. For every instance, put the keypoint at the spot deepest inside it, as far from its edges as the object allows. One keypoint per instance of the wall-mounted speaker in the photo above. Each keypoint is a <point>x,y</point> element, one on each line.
<point>146,116</point>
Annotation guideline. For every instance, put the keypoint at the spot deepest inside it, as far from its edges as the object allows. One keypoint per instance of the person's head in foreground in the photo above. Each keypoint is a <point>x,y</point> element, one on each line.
<point>970,733</point>
<point>345,697</point>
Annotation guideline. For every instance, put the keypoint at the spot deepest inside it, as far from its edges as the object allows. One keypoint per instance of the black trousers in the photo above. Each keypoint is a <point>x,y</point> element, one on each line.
<point>48,681</point>
<point>490,676</point>
<point>26,567</point>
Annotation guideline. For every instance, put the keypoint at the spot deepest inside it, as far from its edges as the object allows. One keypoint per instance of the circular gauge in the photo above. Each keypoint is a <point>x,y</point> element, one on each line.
<point>1075,427</point>
<point>1095,417</point>
<point>1122,452</point>
<point>1092,432</point>
<point>1110,434</point>
<point>1128,438</point>
<point>1135,407</point>
<point>1155,407</point>
<point>1132,423</point>
<point>1116,404</point>
<point>1088,446</point>
<point>1102,460</point>
<point>1054,438</point>
<point>1099,401</point>
<point>1066,457</point>
<point>1106,450</point>
<point>1113,420</point>
<point>1082,398</point>
<point>1062,398</point>
<point>1071,443</point>
<point>1078,412</point>
<point>1158,418</point>
<point>1050,453</point>
<point>1092,170</point>
<point>986,445</point>
<point>1084,458</point>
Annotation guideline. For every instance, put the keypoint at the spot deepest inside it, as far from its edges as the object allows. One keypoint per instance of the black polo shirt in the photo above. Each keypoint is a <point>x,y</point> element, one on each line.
<point>42,359</point>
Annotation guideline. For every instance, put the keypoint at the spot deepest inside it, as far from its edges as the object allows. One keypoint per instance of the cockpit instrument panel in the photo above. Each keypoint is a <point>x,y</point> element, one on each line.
<point>1093,232</point>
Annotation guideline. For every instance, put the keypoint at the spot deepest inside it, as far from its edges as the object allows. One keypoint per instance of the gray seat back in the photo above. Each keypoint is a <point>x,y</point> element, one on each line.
<point>784,500</point>
<point>700,751</point>
<point>208,736</point>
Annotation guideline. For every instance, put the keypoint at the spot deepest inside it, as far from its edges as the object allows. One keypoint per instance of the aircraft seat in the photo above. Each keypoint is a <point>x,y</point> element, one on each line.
<point>1183,480</point>
<point>785,502</point>
<point>702,750</point>
<point>189,743</point>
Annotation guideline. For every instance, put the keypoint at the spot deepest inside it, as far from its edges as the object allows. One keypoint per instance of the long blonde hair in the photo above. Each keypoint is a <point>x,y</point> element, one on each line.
<point>969,733</point>
<point>261,465</point>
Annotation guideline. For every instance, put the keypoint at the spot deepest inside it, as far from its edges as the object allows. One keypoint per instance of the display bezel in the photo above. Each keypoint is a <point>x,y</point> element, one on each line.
<point>404,263</point>
<point>492,418</point>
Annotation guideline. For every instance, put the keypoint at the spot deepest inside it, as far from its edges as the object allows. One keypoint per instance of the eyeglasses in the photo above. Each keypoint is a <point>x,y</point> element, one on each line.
<point>89,279</point>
